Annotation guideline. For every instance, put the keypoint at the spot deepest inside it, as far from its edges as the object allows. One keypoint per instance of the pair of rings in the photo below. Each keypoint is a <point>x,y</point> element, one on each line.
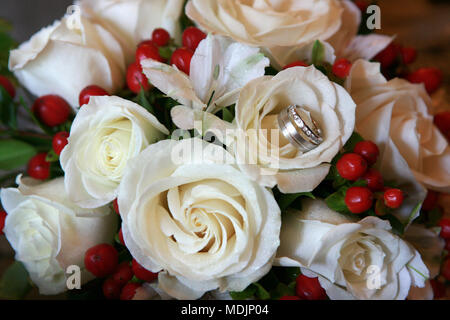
<point>299,128</point>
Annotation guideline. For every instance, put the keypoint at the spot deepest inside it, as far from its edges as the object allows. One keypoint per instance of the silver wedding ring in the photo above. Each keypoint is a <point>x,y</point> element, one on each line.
<point>299,128</point>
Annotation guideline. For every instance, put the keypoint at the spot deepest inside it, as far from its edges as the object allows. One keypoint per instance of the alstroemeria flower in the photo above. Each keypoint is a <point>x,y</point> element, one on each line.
<point>219,69</point>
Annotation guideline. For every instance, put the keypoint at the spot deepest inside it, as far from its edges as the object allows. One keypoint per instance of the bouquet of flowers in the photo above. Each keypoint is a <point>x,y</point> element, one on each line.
<point>216,149</point>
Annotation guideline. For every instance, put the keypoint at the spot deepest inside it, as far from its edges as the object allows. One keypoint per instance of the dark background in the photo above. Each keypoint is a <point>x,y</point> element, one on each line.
<point>423,24</point>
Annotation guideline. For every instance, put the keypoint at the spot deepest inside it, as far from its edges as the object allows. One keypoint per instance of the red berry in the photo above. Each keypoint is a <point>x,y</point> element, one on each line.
<point>296,64</point>
<point>430,201</point>
<point>393,198</point>
<point>160,37</point>
<point>90,91</point>
<point>116,206</point>
<point>147,50</point>
<point>438,289</point>
<point>38,168</point>
<point>290,298</point>
<point>358,199</point>
<point>141,273</point>
<point>362,5</point>
<point>192,36</point>
<point>368,150</point>
<point>123,273</point>
<point>431,77</point>
<point>136,79</point>
<point>2,220</point>
<point>409,55</point>
<point>52,110</point>
<point>445,270</point>
<point>111,289</point>
<point>341,68</point>
<point>309,288</point>
<point>5,83</point>
<point>445,228</point>
<point>442,121</point>
<point>181,58</point>
<point>388,56</point>
<point>60,141</point>
<point>351,166</point>
<point>121,237</point>
<point>129,291</point>
<point>101,260</point>
<point>374,180</point>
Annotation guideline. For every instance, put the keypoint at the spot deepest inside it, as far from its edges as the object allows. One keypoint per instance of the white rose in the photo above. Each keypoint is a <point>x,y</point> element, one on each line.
<point>132,21</point>
<point>352,259</point>
<point>197,218</point>
<point>105,134</point>
<point>395,115</point>
<point>258,107</point>
<point>70,55</point>
<point>50,233</point>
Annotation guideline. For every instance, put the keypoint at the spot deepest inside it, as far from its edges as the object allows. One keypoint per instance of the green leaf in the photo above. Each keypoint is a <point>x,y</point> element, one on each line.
<point>15,283</point>
<point>282,290</point>
<point>351,143</point>
<point>8,110</point>
<point>51,156</point>
<point>397,226</point>
<point>261,292</point>
<point>318,53</point>
<point>287,200</point>
<point>248,293</point>
<point>165,52</point>
<point>14,154</point>
<point>143,101</point>
<point>227,115</point>
<point>336,201</point>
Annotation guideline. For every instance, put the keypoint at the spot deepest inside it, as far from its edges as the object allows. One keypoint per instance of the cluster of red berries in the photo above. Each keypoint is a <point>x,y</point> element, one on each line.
<point>396,55</point>
<point>121,280</point>
<point>52,111</point>
<point>150,49</point>
<point>341,67</point>
<point>357,165</point>
<point>307,289</point>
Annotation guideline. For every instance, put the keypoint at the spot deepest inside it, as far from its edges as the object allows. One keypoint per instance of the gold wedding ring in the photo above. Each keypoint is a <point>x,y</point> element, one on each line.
<point>299,128</point>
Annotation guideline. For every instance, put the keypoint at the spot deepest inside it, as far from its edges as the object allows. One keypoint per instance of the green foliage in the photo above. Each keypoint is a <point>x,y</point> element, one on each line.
<point>279,282</point>
<point>15,283</point>
<point>6,44</point>
<point>292,200</point>
<point>8,110</point>
<point>14,154</point>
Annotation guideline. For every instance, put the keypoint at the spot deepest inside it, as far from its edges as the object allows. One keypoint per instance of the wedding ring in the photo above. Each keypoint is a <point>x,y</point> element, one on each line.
<point>299,128</point>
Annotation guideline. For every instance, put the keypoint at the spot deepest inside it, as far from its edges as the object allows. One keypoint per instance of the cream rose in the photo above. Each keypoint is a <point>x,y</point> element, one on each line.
<point>283,27</point>
<point>395,115</point>
<point>49,233</point>
<point>268,23</point>
<point>132,21</point>
<point>267,156</point>
<point>353,260</point>
<point>105,134</point>
<point>70,55</point>
<point>188,212</point>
